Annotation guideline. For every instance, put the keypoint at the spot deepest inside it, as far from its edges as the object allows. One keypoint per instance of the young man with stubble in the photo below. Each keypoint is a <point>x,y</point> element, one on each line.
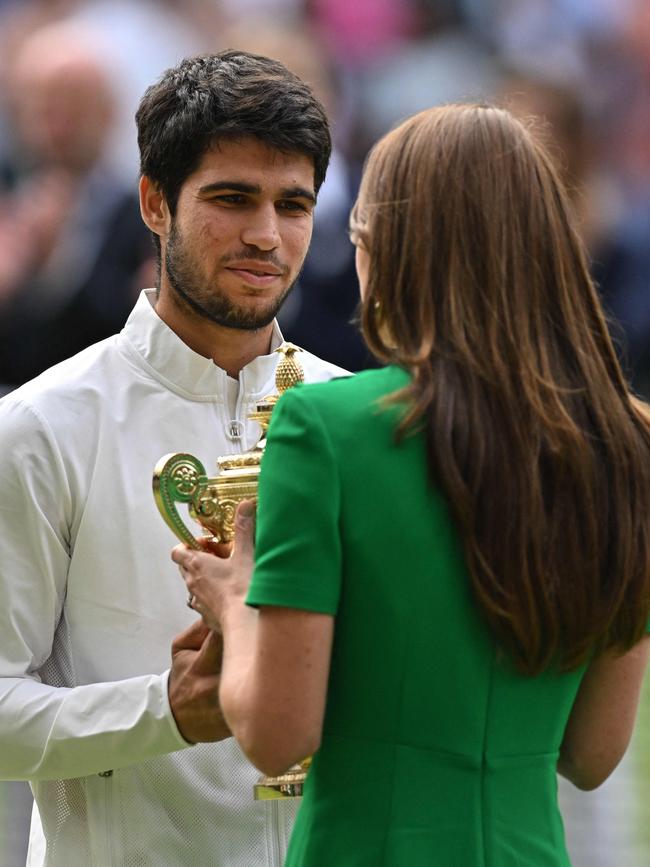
<point>129,760</point>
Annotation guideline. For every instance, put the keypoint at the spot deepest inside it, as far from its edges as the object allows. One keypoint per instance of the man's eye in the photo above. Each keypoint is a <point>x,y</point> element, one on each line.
<point>291,205</point>
<point>231,199</point>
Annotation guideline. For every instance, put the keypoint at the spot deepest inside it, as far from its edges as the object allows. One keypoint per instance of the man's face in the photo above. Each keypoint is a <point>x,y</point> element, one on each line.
<point>240,233</point>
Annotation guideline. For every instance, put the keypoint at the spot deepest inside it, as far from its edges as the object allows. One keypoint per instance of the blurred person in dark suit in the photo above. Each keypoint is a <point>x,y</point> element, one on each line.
<point>624,139</point>
<point>72,244</point>
<point>610,195</point>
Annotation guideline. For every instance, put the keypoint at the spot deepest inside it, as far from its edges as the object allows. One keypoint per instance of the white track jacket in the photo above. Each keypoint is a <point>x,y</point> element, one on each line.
<point>91,601</point>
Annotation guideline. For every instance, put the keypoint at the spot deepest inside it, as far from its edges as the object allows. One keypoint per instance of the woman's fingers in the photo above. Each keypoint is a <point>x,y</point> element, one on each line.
<point>245,533</point>
<point>221,549</point>
<point>197,568</point>
<point>211,580</point>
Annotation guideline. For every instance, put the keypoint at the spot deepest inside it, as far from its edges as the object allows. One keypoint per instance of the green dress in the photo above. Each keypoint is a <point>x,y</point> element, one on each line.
<point>435,751</point>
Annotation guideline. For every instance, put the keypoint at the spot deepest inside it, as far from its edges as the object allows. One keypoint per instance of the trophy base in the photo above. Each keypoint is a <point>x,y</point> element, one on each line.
<point>287,785</point>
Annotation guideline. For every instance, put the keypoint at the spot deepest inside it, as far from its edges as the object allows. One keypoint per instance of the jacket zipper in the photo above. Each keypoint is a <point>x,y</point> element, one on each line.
<point>276,835</point>
<point>108,812</point>
<point>235,427</point>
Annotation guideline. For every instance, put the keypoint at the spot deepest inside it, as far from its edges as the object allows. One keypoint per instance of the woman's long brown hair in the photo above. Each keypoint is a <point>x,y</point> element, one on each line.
<point>479,285</point>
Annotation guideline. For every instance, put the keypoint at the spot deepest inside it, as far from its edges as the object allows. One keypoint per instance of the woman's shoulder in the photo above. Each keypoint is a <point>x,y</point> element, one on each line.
<point>350,406</point>
<point>357,390</point>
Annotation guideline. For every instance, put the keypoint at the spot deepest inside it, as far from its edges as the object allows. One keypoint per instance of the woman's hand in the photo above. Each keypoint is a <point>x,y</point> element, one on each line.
<point>215,582</point>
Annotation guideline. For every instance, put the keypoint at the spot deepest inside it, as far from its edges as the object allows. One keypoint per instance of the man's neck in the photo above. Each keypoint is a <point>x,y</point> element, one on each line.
<point>231,349</point>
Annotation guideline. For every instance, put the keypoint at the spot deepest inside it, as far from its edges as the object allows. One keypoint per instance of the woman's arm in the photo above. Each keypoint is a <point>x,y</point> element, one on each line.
<point>602,719</point>
<point>274,682</point>
<point>276,657</point>
<point>275,661</point>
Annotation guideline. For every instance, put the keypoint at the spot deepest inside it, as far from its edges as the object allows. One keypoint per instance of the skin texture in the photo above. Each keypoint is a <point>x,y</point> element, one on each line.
<point>276,662</point>
<point>230,255</point>
<point>234,247</point>
<point>194,684</point>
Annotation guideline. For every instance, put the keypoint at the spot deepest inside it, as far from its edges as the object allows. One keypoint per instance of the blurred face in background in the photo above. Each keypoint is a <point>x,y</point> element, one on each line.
<point>62,102</point>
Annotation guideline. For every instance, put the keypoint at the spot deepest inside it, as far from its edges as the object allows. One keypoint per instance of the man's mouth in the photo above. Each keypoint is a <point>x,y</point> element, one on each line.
<point>258,274</point>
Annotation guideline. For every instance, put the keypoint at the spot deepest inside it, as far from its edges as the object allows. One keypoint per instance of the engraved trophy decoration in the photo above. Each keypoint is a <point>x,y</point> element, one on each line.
<point>212,502</point>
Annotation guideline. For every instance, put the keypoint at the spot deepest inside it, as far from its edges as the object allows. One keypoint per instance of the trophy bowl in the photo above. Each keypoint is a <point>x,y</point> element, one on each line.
<point>212,501</point>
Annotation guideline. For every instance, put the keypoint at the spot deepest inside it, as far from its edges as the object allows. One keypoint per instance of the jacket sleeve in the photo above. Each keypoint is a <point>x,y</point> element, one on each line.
<point>47,731</point>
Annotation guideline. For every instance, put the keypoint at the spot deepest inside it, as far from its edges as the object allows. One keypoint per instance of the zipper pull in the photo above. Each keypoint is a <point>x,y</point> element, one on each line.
<point>235,429</point>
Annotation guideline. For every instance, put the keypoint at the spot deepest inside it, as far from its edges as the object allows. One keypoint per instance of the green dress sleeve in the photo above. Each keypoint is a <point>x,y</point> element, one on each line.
<point>298,544</point>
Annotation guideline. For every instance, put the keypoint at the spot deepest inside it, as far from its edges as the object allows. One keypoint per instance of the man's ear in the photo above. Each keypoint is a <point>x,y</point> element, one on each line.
<point>153,207</point>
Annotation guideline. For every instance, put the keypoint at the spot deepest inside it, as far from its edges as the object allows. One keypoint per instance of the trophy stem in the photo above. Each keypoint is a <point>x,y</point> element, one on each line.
<point>289,785</point>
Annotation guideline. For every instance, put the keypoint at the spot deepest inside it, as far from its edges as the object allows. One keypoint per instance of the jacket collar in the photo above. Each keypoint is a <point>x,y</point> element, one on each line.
<point>161,351</point>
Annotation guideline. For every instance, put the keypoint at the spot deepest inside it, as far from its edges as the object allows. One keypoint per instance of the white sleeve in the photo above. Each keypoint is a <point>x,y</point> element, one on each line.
<point>48,732</point>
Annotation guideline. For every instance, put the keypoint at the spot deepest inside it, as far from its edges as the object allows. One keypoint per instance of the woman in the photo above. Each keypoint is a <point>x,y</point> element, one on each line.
<point>452,568</point>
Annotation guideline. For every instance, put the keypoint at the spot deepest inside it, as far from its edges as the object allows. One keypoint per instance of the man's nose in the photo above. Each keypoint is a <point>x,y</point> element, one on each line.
<point>262,229</point>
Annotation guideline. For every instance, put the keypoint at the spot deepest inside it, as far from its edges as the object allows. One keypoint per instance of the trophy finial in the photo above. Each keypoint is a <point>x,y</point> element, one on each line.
<point>289,371</point>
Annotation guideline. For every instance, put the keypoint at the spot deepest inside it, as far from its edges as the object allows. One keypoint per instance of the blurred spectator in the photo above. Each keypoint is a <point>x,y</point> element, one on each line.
<point>359,32</point>
<point>623,134</point>
<point>276,11</point>
<point>615,225</point>
<point>72,244</point>
<point>445,63</point>
<point>586,70</point>
<point>140,39</point>
<point>563,121</point>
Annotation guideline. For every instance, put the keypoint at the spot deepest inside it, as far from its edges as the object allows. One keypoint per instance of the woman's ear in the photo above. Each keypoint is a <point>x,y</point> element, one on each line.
<point>153,208</point>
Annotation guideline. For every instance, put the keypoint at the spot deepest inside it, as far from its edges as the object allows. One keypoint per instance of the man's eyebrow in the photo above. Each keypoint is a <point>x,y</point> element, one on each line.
<point>237,186</point>
<point>298,193</point>
<point>255,190</point>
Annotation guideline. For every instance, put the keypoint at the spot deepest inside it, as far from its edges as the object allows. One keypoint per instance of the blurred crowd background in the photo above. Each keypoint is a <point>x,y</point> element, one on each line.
<point>74,253</point>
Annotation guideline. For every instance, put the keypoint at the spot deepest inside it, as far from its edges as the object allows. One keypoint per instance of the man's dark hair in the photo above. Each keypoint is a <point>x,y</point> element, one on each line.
<point>229,95</point>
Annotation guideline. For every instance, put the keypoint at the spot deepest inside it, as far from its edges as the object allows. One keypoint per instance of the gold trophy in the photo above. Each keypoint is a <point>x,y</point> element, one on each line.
<point>212,502</point>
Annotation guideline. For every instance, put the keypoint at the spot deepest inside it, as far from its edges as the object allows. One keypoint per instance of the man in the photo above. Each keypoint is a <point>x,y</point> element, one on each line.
<point>233,151</point>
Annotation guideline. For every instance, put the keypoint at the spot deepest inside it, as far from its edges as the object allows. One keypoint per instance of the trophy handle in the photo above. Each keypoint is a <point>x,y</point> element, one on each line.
<point>178,478</point>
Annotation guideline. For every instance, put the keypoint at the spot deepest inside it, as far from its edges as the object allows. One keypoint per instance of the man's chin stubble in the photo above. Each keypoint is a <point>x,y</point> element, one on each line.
<point>226,314</point>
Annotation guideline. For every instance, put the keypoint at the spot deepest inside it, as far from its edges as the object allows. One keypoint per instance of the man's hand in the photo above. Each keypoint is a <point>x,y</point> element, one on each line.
<point>194,684</point>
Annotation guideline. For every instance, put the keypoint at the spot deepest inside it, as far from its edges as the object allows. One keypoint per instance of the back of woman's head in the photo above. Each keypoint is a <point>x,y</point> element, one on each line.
<point>479,284</point>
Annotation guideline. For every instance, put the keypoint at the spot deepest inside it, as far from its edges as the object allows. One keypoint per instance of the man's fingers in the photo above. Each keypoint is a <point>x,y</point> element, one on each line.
<point>191,638</point>
<point>210,656</point>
